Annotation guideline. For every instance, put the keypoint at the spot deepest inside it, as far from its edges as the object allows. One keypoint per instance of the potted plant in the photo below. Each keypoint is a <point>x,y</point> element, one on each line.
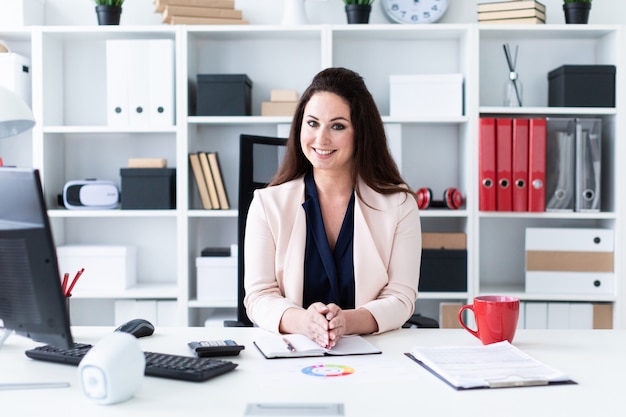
<point>358,11</point>
<point>576,11</point>
<point>109,11</point>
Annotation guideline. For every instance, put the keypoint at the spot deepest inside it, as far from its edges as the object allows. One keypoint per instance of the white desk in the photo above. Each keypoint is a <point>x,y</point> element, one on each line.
<point>382,385</point>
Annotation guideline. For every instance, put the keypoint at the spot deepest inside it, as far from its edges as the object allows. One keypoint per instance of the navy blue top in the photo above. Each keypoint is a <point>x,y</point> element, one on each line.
<point>328,275</point>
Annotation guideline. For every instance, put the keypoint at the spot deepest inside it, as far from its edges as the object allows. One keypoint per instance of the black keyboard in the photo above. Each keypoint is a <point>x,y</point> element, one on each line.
<point>163,365</point>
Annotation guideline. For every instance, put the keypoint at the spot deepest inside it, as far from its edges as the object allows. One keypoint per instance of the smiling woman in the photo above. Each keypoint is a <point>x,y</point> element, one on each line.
<point>331,243</point>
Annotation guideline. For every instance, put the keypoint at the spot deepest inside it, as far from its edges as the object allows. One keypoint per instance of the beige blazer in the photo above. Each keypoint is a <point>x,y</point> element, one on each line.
<point>387,254</point>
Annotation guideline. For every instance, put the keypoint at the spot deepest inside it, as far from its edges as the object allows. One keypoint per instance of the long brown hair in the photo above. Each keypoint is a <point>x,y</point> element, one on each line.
<point>373,161</point>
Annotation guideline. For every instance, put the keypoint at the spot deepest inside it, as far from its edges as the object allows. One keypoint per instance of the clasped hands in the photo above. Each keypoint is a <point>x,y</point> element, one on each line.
<point>325,324</point>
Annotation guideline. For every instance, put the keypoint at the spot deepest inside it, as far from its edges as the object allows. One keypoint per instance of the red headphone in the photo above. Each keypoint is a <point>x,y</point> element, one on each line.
<point>452,199</point>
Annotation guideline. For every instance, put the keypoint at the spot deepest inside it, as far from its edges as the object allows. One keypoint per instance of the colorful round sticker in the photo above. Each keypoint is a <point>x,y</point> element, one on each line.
<point>327,370</point>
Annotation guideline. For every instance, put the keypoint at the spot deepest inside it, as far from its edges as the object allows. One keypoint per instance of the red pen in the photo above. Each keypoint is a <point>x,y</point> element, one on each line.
<point>69,290</point>
<point>64,284</point>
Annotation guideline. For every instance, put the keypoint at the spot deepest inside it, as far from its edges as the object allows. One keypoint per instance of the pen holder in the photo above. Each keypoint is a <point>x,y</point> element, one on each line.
<point>67,307</point>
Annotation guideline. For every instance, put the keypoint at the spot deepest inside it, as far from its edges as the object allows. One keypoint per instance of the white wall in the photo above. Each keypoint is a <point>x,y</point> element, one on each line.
<point>141,12</point>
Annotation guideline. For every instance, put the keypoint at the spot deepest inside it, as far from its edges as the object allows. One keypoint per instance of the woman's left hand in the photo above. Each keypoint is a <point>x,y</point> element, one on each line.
<point>336,324</point>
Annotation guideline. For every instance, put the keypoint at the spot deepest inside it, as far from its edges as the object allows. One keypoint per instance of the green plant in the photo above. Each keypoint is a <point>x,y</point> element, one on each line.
<point>363,2</point>
<point>576,1</point>
<point>109,2</point>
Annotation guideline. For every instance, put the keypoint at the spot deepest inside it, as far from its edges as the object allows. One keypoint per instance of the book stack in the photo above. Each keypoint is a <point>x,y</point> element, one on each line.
<point>199,12</point>
<point>516,11</point>
<point>208,175</point>
<point>282,103</point>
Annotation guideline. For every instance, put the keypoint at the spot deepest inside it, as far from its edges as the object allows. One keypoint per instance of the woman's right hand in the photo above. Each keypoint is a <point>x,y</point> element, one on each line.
<point>315,324</point>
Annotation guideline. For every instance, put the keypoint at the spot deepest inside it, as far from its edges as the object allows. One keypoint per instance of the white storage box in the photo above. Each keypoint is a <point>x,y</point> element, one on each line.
<point>426,95</point>
<point>22,12</point>
<point>570,261</point>
<point>217,279</point>
<point>106,267</point>
<point>15,75</point>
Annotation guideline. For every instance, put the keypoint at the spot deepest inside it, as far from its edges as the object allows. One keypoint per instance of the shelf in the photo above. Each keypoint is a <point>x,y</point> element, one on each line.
<point>140,291</point>
<point>549,111</point>
<point>115,213</point>
<point>518,292</point>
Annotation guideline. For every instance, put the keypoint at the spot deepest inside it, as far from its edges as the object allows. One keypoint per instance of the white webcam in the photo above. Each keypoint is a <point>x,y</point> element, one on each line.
<point>113,369</point>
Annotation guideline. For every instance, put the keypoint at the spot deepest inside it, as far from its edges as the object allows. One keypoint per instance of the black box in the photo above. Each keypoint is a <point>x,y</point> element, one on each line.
<point>148,188</point>
<point>582,86</point>
<point>224,95</point>
<point>443,270</point>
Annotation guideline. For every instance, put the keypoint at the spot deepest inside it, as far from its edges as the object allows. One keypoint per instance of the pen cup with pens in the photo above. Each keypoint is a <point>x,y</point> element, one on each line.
<point>67,287</point>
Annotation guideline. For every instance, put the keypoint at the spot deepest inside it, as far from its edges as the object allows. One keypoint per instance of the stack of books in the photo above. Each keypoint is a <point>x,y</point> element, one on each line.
<point>199,12</point>
<point>516,11</point>
<point>207,172</point>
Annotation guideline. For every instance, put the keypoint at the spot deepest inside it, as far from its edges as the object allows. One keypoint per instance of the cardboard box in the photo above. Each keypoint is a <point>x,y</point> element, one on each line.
<point>216,279</point>
<point>148,188</point>
<point>582,86</point>
<point>426,95</point>
<point>107,267</point>
<point>278,108</point>
<point>224,95</point>
<point>283,95</point>
<point>22,12</point>
<point>444,241</point>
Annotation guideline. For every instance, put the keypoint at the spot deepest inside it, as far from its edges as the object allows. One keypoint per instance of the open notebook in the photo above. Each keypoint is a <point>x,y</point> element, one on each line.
<point>273,346</point>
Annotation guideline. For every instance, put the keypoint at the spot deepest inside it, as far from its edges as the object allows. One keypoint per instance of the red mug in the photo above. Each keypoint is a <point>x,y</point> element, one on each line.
<point>496,318</point>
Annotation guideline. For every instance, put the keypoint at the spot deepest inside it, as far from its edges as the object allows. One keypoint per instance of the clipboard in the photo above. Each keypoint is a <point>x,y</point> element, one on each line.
<point>480,367</point>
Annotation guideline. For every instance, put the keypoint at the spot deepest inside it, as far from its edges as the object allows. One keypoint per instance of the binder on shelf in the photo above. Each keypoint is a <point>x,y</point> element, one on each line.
<point>588,165</point>
<point>537,165</point>
<point>510,5</point>
<point>560,164</point>
<point>520,164</point>
<point>208,178</point>
<point>161,111</point>
<point>219,181</point>
<point>196,168</point>
<point>138,83</point>
<point>504,153</point>
<point>117,58</point>
<point>487,164</point>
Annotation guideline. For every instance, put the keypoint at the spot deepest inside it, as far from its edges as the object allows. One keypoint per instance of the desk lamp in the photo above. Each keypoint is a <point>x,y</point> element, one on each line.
<point>15,116</point>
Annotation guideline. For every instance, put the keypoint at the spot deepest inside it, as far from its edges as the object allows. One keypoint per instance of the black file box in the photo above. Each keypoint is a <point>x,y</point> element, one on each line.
<point>443,270</point>
<point>148,188</point>
<point>224,95</point>
<point>582,86</point>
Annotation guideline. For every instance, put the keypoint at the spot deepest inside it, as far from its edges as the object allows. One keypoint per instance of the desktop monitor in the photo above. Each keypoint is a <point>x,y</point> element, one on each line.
<point>259,159</point>
<point>31,300</point>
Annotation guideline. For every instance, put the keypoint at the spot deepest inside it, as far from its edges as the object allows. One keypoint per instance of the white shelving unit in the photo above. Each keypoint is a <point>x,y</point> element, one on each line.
<point>72,139</point>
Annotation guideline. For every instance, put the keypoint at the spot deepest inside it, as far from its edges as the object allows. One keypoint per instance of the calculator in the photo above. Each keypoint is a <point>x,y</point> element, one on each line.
<point>206,348</point>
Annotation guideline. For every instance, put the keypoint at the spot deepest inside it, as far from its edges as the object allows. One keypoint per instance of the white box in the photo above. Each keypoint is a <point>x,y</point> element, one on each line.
<point>15,75</point>
<point>426,95</point>
<point>582,283</point>
<point>106,267</point>
<point>22,12</point>
<point>217,279</point>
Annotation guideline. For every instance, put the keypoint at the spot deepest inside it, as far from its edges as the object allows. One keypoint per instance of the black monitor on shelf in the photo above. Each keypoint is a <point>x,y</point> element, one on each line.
<point>32,303</point>
<point>259,159</point>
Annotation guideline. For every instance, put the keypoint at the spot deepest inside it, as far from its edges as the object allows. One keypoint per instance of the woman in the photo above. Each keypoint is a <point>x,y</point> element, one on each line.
<point>333,244</point>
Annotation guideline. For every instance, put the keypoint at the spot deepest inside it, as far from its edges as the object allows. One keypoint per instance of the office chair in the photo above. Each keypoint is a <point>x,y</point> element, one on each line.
<point>259,159</point>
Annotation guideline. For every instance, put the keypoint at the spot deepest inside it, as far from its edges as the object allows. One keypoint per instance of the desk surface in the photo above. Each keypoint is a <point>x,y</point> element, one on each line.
<point>382,385</point>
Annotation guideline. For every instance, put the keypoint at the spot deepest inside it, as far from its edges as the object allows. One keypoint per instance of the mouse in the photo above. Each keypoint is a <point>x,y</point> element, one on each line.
<point>137,327</point>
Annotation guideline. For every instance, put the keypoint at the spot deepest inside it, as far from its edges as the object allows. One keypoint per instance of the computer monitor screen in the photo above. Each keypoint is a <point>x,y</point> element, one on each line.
<point>31,300</point>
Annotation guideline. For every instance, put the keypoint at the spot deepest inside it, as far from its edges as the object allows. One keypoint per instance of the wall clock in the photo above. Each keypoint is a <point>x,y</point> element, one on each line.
<point>415,11</point>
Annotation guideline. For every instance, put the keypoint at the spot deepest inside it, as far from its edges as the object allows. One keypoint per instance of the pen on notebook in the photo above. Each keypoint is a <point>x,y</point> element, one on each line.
<point>289,345</point>
<point>69,290</point>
